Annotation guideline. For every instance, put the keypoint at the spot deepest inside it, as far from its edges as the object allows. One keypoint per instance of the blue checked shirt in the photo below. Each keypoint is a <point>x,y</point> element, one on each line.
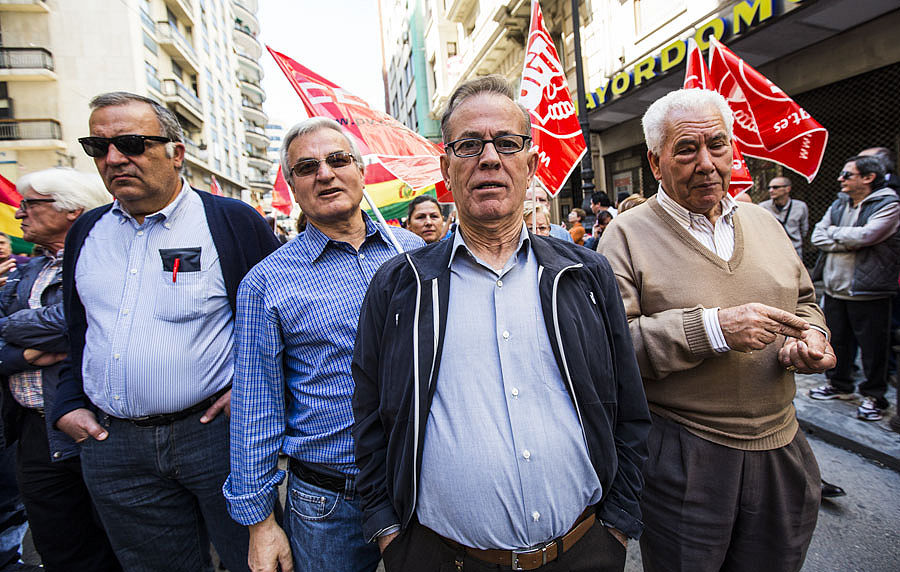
<point>297,313</point>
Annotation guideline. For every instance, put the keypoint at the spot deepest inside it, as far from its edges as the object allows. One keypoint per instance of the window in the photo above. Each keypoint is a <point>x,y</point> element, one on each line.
<point>152,77</point>
<point>149,42</point>
<point>177,71</point>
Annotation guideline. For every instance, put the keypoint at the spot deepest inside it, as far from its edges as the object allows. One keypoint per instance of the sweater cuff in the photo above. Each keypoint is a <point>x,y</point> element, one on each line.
<point>695,332</point>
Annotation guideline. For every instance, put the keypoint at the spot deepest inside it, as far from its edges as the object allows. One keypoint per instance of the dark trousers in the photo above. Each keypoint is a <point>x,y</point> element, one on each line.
<point>64,525</point>
<point>710,508</point>
<point>868,324</point>
<point>419,549</point>
<point>158,491</point>
<point>12,513</point>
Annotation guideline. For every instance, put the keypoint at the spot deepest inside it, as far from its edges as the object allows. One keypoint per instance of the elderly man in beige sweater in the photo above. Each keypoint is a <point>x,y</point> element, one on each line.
<point>722,313</point>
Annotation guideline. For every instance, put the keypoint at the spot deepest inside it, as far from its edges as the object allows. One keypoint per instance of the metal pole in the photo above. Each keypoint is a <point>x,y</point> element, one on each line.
<point>587,169</point>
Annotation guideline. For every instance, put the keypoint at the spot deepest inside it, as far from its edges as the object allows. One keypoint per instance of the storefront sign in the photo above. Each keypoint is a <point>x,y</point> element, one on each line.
<point>742,17</point>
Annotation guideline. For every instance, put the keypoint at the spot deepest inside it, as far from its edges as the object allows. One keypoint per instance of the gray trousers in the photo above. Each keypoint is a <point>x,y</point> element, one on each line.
<point>707,507</point>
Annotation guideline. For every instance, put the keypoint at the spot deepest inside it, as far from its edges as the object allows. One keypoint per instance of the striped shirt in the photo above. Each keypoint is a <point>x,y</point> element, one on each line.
<point>153,344</point>
<point>297,314</point>
<point>27,386</point>
<point>718,238</point>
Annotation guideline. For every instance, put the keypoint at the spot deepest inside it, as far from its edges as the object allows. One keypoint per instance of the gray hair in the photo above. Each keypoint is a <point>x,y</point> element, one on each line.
<point>309,126</point>
<point>530,207</point>
<point>488,84</point>
<point>693,101</point>
<point>168,123</point>
<point>71,189</point>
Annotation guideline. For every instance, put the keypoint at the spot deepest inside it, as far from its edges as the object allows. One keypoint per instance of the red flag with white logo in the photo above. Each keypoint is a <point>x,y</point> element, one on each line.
<point>558,139</point>
<point>767,123</point>
<point>406,154</point>
<point>696,76</point>
<point>214,187</point>
<point>281,195</point>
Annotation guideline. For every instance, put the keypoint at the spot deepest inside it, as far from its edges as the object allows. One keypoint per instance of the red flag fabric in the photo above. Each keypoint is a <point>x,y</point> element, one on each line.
<point>281,195</point>
<point>214,187</point>
<point>8,193</point>
<point>767,123</point>
<point>696,76</point>
<point>558,138</point>
<point>403,152</point>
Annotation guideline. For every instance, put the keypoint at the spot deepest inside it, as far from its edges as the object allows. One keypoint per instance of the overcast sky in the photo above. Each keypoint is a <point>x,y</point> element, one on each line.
<point>338,39</point>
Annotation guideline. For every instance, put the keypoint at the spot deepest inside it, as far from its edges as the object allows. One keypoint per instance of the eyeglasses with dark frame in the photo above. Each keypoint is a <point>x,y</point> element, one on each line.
<point>847,175</point>
<point>26,204</point>
<point>130,145</point>
<point>473,146</point>
<point>307,167</point>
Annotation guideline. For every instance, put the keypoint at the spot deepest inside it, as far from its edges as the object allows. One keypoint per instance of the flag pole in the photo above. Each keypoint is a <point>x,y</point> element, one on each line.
<point>382,222</point>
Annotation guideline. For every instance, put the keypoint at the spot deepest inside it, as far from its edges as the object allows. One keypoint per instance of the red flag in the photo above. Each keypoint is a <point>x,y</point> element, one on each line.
<point>214,187</point>
<point>403,152</point>
<point>281,195</point>
<point>558,139</point>
<point>696,76</point>
<point>767,123</point>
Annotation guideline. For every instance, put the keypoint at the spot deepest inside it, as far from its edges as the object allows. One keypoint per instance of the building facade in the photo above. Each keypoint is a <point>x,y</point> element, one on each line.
<point>197,57</point>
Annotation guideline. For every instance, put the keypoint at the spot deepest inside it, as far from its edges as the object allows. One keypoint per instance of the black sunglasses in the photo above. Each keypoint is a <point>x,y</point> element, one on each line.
<point>846,175</point>
<point>126,144</point>
<point>307,167</point>
<point>778,186</point>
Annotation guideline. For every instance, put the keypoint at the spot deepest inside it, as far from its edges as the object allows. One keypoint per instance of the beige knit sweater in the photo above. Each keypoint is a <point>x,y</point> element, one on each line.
<point>666,278</point>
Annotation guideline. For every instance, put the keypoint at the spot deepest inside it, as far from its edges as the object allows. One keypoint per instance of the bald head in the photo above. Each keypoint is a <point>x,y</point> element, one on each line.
<point>780,190</point>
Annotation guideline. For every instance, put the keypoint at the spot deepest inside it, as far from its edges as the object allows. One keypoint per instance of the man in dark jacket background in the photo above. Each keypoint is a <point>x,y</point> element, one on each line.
<point>64,525</point>
<point>499,413</point>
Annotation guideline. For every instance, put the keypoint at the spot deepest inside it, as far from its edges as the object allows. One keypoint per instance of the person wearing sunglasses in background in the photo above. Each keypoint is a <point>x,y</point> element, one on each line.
<point>861,241</point>
<point>294,334</point>
<point>150,286</point>
<point>793,214</point>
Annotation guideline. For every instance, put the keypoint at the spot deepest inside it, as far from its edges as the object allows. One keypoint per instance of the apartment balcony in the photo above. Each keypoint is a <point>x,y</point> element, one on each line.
<point>259,163</point>
<point>196,152</point>
<point>177,46</point>
<point>251,90</point>
<point>26,64</point>
<point>246,41</point>
<point>256,136</point>
<point>24,6</point>
<point>183,9</point>
<point>243,15</point>
<point>253,112</point>
<point>249,66</point>
<point>30,135</point>
<point>249,5</point>
<point>183,101</point>
<point>260,185</point>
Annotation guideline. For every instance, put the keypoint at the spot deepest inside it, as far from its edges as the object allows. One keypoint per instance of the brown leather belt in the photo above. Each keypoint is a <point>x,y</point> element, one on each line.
<point>533,558</point>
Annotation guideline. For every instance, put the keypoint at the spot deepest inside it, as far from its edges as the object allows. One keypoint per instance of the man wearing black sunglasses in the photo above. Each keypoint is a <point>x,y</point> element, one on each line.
<point>861,241</point>
<point>150,285</point>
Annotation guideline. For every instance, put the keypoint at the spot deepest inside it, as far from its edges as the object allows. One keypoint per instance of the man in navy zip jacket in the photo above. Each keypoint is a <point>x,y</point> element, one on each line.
<point>499,413</point>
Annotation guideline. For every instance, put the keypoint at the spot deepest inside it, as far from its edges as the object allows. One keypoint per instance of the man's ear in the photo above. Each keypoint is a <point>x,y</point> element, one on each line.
<point>73,215</point>
<point>445,169</point>
<point>654,165</point>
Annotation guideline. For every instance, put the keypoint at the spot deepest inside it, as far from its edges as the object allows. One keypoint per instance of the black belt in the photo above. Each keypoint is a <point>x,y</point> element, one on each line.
<point>168,418</point>
<point>308,475</point>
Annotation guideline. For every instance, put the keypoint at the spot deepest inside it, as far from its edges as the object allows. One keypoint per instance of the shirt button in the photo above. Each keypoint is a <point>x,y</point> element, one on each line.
<point>499,283</point>
<point>505,335</point>
<point>515,391</point>
<point>125,311</point>
<point>116,356</point>
<point>526,454</point>
<point>536,516</point>
<point>167,225</point>
<point>140,233</point>
<point>57,454</point>
<point>134,270</point>
<point>362,256</point>
<point>116,397</point>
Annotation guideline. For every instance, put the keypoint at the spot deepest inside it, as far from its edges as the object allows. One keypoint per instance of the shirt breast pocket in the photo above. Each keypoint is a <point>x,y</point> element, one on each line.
<point>182,288</point>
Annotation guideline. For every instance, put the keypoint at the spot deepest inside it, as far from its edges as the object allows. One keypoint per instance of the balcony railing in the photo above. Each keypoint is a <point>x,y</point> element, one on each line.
<point>167,34</point>
<point>249,5</point>
<point>25,58</point>
<point>194,150</point>
<point>172,86</point>
<point>18,129</point>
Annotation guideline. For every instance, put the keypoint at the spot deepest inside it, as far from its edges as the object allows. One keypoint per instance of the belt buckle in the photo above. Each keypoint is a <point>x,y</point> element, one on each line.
<point>524,551</point>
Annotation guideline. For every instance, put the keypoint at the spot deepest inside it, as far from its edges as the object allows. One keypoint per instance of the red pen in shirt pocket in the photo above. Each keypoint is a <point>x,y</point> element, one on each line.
<point>175,266</point>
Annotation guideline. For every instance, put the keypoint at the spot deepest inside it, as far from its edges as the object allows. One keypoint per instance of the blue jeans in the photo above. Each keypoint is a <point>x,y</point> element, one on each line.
<point>158,491</point>
<point>12,512</point>
<point>325,529</point>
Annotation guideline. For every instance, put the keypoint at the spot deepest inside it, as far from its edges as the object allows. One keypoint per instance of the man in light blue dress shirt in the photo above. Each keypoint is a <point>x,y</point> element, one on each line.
<point>499,413</point>
<point>294,334</point>
<point>149,288</point>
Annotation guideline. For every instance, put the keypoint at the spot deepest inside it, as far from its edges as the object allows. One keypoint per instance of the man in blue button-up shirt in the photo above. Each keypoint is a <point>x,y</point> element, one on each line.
<point>296,324</point>
<point>499,413</point>
<point>149,287</point>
